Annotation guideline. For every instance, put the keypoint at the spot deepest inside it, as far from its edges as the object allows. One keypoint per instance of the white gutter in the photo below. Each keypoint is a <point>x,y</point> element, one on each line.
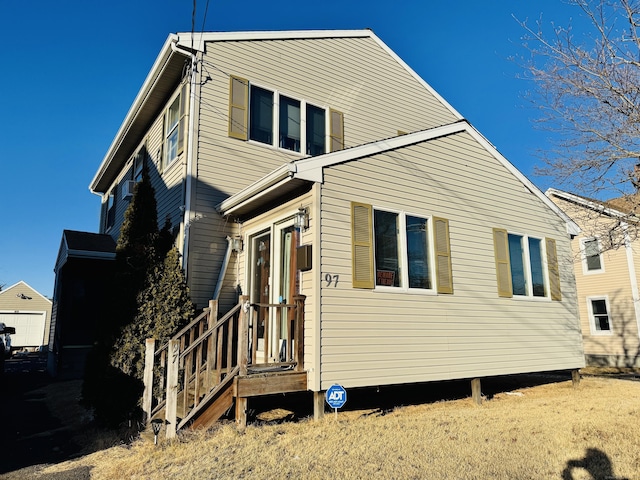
<point>190,154</point>
<point>273,179</point>
<point>223,269</point>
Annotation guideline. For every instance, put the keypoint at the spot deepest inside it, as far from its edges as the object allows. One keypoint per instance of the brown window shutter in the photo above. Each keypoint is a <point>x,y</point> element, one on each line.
<point>336,130</point>
<point>238,107</point>
<point>444,273</point>
<point>184,101</point>
<point>554,271</point>
<point>503,266</point>
<point>362,245</point>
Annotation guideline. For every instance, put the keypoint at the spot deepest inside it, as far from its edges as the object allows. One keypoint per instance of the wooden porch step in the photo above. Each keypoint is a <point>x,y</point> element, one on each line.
<point>213,408</point>
<point>269,383</point>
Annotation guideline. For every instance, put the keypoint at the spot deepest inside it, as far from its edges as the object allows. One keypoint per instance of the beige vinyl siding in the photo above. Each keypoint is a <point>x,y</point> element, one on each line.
<point>614,282</point>
<point>10,303</point>
<point>168,185</point>
<point>354,76</point>
<point>371,337</point>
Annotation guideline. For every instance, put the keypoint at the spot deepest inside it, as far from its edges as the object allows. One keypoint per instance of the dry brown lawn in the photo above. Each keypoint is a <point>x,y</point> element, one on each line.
<point>543,432</point>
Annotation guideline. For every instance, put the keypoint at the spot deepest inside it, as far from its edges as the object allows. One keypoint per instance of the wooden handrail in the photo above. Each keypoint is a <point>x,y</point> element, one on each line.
<point>210,354</point>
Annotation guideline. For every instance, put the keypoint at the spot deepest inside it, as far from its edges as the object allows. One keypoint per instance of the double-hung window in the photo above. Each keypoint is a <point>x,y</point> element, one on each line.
<point>269,117</point>
<point>520,265</point>
<point>138,163</point>
<point>174,127</point>
<point>599,319</point>
<point>591,256</point>
<point>397,250</point>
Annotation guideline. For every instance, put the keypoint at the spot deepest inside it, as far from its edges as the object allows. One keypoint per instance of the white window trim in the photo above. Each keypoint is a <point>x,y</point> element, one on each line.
<point>165,164</point>
<point>583,257</point>
<point>592,320</point>
<point>404,255</point>
<point>276,121</point>
<point>527,268</point>
<point>272,227</point>
<point>110,198</point>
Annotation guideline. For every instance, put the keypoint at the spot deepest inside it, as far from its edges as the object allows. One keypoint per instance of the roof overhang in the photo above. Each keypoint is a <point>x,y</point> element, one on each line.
<point>167,70</point>
<point>592,205</point>
<point>165,74</point>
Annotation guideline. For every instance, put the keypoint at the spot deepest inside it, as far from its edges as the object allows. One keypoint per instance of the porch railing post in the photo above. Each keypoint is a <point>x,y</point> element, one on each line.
<point>147,397</point>
<point>299,333</point>
<point>213,313</point>
<point>173,363</point>
<point>243,334</point>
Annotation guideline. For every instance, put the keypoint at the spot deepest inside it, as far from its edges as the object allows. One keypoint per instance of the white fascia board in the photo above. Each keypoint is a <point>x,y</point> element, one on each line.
<point>311,168</point>
<point>586,203</point>
<point>416,76</point>
<point>22,282</point>
<point>266,183</point>
<point>153,75</point>
<point>198,40</point>
<point>572,227</point>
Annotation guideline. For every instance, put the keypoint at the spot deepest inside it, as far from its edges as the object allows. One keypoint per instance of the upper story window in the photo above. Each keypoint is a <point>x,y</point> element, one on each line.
<point>520,265</point>
<point>399,250</point>
<point>591,256</point>
<point>138,163</point>
<point>599,320</point>
<point>268,117</point>
<point>111,209</point>
<point>174,127</point>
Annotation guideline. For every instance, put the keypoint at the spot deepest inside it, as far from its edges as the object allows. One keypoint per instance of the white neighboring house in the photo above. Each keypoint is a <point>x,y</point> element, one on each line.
<point>29,312</point>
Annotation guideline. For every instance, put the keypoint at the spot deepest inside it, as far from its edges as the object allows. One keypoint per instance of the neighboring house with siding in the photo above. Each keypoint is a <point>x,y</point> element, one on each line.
<point>606,278</point>
<point>29,312</point>
<point>319,163</point>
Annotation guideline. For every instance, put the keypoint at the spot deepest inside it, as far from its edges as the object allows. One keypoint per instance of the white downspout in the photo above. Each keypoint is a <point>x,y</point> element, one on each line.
<point>635,292</point>
<point>223,268</point>
<point>190,157</point>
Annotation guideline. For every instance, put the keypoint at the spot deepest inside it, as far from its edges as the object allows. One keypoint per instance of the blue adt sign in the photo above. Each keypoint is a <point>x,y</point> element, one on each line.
<point>336,396</point>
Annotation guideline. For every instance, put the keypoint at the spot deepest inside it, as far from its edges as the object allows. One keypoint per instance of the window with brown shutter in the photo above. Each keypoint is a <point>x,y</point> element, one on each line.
<point>554,271</point>
<point>238,107</point>
<point>362,245</point>
<point>336,130</point>
<point>503,268</point>
<point>444,274</point>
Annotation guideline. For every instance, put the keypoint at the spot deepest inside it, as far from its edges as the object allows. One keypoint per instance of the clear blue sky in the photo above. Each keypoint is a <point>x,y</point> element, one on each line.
<point>70,70</point>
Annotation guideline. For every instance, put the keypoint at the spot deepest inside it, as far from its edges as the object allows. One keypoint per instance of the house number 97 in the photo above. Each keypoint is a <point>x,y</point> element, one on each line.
<point>331,280</point>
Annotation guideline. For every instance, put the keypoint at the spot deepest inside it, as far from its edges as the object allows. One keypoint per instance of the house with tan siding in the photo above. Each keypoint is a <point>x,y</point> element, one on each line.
<point>606,278</point>
<point>29,312</point>
<point>343,220</point>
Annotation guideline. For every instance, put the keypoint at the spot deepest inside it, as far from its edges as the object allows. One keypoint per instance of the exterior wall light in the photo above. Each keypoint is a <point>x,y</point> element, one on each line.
<point>237,244</point>
<point>301,219</point>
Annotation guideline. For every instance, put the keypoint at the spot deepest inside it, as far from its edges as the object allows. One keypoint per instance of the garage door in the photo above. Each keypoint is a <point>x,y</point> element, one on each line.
<point>29,328</point>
